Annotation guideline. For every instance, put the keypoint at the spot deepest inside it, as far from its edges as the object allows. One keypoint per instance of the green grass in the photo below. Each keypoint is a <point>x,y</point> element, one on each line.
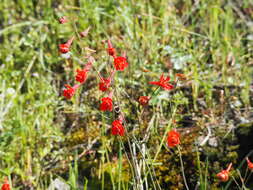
<point>208,41</point>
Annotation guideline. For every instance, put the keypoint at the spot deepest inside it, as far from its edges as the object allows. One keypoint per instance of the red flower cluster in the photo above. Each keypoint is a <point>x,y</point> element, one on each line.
<point>120,62</point>
<point>163,82</point>
<point>173,138</point>
<point>80,77</point>
<point>117,128</point>
<point>64,48</point>
<point>224,174</point>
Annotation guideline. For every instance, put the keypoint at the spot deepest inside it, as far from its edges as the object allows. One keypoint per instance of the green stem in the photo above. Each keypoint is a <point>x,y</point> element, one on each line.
<point>155,92</point>
<point>120,165</point>
<point>103,152</point>
<point>165,134</point>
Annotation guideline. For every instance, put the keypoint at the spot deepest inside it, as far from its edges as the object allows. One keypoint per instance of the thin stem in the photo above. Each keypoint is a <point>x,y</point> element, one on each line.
<point>76,86</point>
<point>134,167</point>
<point>103,153</point>
<point>155,91</point>
<point>229,183</point>
<point>131,167</point>
<point>120,165</point>
<point>111,176</point>
<point>240,177</point>
<point>248,177</point>
<point>246,174</point>
<point>236,182</point>
<point>182,168</point>
<point>100,77</point>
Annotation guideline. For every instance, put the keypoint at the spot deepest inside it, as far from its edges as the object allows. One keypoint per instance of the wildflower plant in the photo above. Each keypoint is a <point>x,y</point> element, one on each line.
<point>120,125</point>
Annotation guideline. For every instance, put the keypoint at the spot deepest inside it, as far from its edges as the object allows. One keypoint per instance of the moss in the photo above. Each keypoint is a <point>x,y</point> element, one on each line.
<point>245,128</point>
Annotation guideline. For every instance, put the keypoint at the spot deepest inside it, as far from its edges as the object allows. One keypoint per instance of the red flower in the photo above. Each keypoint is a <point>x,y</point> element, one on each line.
<point>224,174</point>
<point>6,185</point>
<point>163,82</point>
<point>106,104</point>
<point>69,91</point>
<point>63,20</point>
<point>120,63</point>
<point>181,76</point>
<point>173,138</point>
<point>111,51</point>
<point>143,100</point>
<point>64,48</point>
<point>250,164</point>
<point>117,128</point>
<point>82,74</point>
<point>106,82</point>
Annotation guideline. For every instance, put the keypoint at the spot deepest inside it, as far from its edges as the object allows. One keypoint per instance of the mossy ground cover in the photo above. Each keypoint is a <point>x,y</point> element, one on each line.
<point>43,136</point>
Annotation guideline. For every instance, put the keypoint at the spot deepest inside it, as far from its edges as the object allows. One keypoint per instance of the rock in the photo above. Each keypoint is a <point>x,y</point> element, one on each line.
<point>200,139</point>
<point>58,184</point>
<point>213,142</point>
